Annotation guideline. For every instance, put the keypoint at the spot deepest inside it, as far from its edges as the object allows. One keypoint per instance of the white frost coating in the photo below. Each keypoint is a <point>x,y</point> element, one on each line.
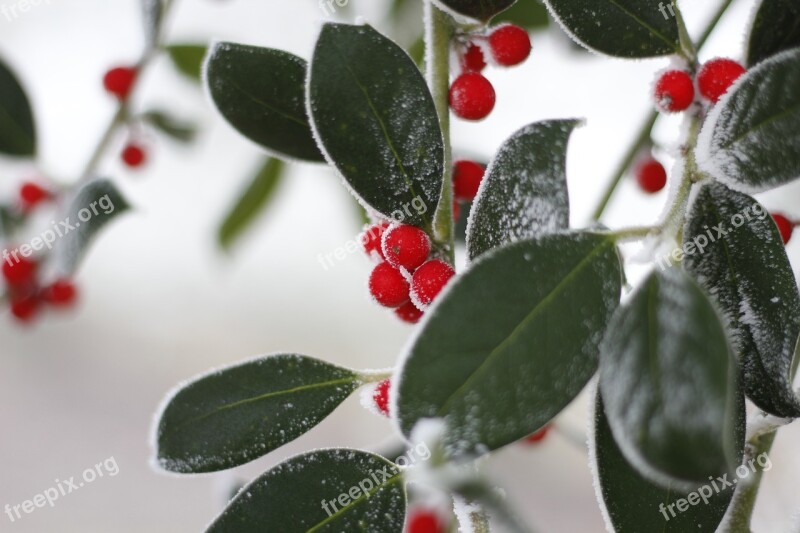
<point>592,445</point>
<point>459,17</point>
<point>366,398</point>
<point>464,511</point>
<point>574,37</point>
<point>761,423</point>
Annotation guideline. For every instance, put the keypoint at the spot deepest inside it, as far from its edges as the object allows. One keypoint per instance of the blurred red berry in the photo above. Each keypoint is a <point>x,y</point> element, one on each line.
<point>467,177</point>
<point>473,58</point>
<point>25,308</point>
<point>119,81</point>
<point>651,176</point>
<point>381,396</point>
<point>388,286</point>
<point>371,239</point>
<point>31,195</point>
<point>424,521</point>
<point>539,436</point>
<point>716,77</point>
<point>61,293</point>
<point>405,246</point>
<point>785,226</point>
<point>408,312</point>
<point>456,210</point>
<point>19,272</point>
<point>674,91</point>
<point>429,280</point>
<point>472,96</point>
<point>510,45</point>
<point>133,155</point>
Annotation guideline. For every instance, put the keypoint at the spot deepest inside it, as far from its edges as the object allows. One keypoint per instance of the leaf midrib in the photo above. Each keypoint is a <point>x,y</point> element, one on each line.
<point>364,497</point>
<point>646,26</point>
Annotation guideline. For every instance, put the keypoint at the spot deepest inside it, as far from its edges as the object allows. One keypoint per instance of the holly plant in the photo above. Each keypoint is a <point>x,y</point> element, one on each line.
<point>541,310</point>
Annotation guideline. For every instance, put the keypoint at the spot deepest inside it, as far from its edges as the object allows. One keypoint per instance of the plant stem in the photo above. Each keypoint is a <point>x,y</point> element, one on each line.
<point>438,35</point>
<point>744,499</point>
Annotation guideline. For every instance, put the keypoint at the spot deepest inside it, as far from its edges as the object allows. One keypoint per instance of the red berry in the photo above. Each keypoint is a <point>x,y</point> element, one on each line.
<point>651,175</point>
<point>717,76</point>
<point>408,312</point>
<point>472,96</point>
<point>674,91</point>
<point>371,239</point>
<point>19,272</point>
<point>539,436</point>
<point>62,293</point>
<point>510,45</point>
<point>429,280</point>
<point>467,177</point>
<point>388,286</point>
<point>31,195</point>
<point>381,396</point>
<point>473,58</point>
<point>424,521</point>
<point>119,81</point>
<point>405,246</point>
<point>785,226</point>
<point>456,210</point>
<point>133,155</point>
<point>25,308</point>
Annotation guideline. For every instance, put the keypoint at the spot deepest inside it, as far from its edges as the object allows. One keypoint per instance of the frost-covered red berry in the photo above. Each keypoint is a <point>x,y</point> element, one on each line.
<point>472,96</point>
<point>424,521</point>
<point>651,176</point>
<point>19,272</point>
<point>388,286</point>
<point>674,91</point>
<point>429,280</point>
<point>473,59</point>
<point>510,45</point>
<point>25,308</point>
<point>61,293</point>
<point>371,239</point>
<point>467,177</point>
<point>31,195</point>
<point>405,246</point>
<point>381,396</point>
<point>133,155</point>
<point>785,226</point>
<point>408,312</point>
<point>539,436</point>
<point>716,77</point>
<point>119,81</point>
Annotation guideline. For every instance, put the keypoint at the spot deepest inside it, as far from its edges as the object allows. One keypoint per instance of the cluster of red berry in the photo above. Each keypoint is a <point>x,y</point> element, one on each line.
<point>472,96</point>
<point>785,226</point>
<point>25,293</point>
<point>119,81</point>
<point>424,520</point>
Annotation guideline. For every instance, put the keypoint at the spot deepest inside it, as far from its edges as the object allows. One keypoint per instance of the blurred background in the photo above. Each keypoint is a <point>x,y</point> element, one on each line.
<point>160,302</point>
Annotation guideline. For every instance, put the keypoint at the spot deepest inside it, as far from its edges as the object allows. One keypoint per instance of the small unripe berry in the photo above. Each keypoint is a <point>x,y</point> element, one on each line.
<point>510,45</point>
<point>31,195</point>
<point>381,396</point>
<point>388,286</point>
<point>429,280</point>
<point>25,308</point>
<point>539,436</point>
<point>467,177</point>
<point>716,77</point>
<point>651,176</point>
<point>405,246</point>
<point>473,60</point>
<point>133,155</point>
<point>472,96</point>
<point>408,312</point>
<point>424,521</point>
<point>62,293</point>
<point>20,272</point>
<point>119,81</point>
<point>674,91</point>
<point>371,240</point>
<point>785,226</point>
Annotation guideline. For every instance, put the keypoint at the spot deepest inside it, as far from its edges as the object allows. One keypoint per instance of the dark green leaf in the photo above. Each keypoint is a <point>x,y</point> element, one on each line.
<point>95,205</point>
<point>512,341</point>
<point>669,383</point>
<point>251,203</point>
<point>373,113</point>
<point>524,193</point>
<point>237,414</point>
<point>776,28</point>
<point>167,124</point>
<point>17,129</point>
<point>745,268</point>
<point>634,504</point>
<point>482,10</point>
<point>530,14</point>
<point>293,496</point>
<point>751,140</point>
<point>188,59</point>
<point>620,28</point>
<point>261,93</point>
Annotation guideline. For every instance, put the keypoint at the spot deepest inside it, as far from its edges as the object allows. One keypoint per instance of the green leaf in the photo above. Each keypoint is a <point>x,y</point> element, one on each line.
<point>632,29</point>
<point>524,193</point>
<point>361,492</point>
<point>17,129</point>
<point>530,14</point>
<point>512,341</point>
<point>751,140</point>
<point>482,10</point>
<point>251,203</point>
<point>174,128</point>
<point>373,114</point>
<point>235,415</point>
<point>669,383</point>
<point>776,28</point>
<point>633,504</point>
<point>745,268</point>
<point>261,93</point>
<point>94,206</point>
<point>188,59</point>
